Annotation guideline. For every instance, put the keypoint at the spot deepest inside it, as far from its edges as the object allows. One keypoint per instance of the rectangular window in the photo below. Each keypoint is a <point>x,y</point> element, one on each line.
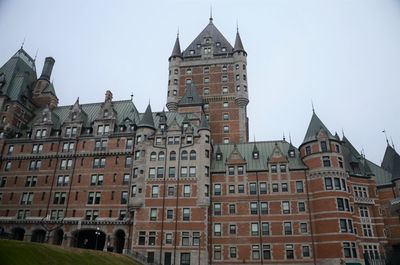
<point>265,229</point>
<point>153,214</point>
<point>324,147</point>
<point>328,184</point>
<point>264,207</point>
<point>284,187</point>
<point>349,250</point>
<point>170,214</point>
<point>217,209</point>
<point>274,169</point>
<point>253,188</point>
<point>299,187</point>
<point>154,191</point>
<point>232,209</point>
<point>255,252</point>
<point>305,251</point>
<point>289,251</point>
<point>263,188</point>
<point>326,161</point>
<point>232,252</point>
<point>217,189</point>
<point>303,228</point>
<point>285,207</point>
<point>282,168</point>
<point>266,252</point>
<point>253,208</point>
<point>192,172</point>
<point>232,229</point>
<point>184,172</point>
<point>30,181</point>
<point>275,187</point>
<point>217,229</point>
<point>254,229</point>
<point>186,214</point>
<point>302,207</point>
<point>186,191</point>
<point>217,252</point>
<point>124,197</point>
<point>240,188</point>
<point>287,228</point>
<point>231,170</point>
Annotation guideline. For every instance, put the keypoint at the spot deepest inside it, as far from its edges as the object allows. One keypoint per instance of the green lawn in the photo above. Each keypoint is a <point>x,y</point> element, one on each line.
<point>25,253</point>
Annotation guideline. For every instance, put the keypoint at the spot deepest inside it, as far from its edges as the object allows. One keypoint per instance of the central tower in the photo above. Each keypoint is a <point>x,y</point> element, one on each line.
<point>218,71</point>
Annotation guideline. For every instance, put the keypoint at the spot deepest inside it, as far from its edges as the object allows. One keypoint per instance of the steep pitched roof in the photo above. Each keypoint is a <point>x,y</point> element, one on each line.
<point>19,74</point>
<point>176,51</point>
<point>209,31</point>
<point>147,119</point>
<point>355,163</point>
<point>391,162</point>
<point>238,43</point>
<point>235,157</point>
<point>191,97</point>
<point>314,128</point>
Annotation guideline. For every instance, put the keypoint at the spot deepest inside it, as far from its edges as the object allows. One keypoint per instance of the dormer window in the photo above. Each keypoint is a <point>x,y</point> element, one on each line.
<point>223,49</point>
<point>189,71</point>
<point>44,119</point>
<point>103,129</point>
<point>207,50</point>
<point>219,157</point>
<point>191,52</point>
<point>218,44</point>
<point>207,40</point>
<point>41,133</point>
<point>255,155</point>
<point>198,45</point>
<point>291,153</point>
<point>162,126</point>
<point>189,139</point>
<point>185,125</point>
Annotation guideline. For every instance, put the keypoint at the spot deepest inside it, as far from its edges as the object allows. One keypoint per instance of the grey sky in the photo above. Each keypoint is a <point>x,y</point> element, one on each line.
<point>342,55</point>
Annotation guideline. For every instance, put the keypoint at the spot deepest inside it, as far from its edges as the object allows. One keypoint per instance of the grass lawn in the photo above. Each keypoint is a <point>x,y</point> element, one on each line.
<point>26,253</point>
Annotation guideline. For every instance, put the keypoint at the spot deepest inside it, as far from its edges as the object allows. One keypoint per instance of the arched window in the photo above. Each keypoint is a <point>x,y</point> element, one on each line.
<point>192,155</point>
<point>184,155</point>
<point>161,156</point>
<point>172,155</point>
<point>153,156</point>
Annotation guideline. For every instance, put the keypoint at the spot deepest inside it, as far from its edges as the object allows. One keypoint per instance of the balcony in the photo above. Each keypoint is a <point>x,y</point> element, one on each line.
<point>395,206</point>
<point>364,200</point>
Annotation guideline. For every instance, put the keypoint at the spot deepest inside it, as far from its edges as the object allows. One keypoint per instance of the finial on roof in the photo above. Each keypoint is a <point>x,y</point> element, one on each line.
<point>37,50</point>
<point>237,25</point>
<point>391,139</point>
<point>211,17</point>
<point>312,106</point>
<point>284,138</point>
<point>23,42</point>
<point>342,133</point>
<point>290,138</point>
<point>387,141</point>
<point>131,96</point>
<point>177,33</point>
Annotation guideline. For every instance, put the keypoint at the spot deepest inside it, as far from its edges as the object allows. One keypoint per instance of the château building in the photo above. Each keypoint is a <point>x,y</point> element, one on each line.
<point>186,186</point>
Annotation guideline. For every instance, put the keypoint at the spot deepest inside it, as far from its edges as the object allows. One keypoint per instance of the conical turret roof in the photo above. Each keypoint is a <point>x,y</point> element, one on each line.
<point>314,128</point>
<point>238,43</point>
<point>176,51</point>
<point>147,119</point>
<point>391,162</point>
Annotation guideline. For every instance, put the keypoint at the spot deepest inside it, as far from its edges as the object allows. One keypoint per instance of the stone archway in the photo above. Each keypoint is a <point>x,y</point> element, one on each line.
<point>18,233</point>
<point>119,241</point>
<point>89,238</point>
<point>38,235</point>
<point>58,237</point>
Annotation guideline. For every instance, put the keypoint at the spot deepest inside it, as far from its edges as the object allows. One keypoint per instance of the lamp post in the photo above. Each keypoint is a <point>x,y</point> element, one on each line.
<point>97,233</point>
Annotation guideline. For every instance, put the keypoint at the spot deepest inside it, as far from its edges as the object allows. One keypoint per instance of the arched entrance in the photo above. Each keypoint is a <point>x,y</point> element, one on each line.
<point>38,236</point>
<point>18,233</point>
<point>89,238</point>
<point>58,237</point>
<point>119,241</point>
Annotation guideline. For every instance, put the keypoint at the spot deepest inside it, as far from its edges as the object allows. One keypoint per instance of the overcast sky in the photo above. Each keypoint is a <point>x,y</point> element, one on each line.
<point>344,56</point>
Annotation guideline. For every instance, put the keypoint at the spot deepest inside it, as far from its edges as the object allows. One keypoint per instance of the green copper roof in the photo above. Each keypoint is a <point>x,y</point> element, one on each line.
<point>265,151</point>
<point>314,128</point>
<point>124,109</point>
<point>383,177</point>
<point>20,75</point>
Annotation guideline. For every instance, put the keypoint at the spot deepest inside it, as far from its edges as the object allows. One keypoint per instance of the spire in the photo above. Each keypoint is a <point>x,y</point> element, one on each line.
<point>314,128</point>
<point>211,16</point>
<point>387,141</point>
<point>238,43</point>
<point>147,119</point>
<point>176,52</point>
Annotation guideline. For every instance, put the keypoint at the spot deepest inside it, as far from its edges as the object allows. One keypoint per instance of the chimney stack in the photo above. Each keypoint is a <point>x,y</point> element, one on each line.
<point>47,68</point>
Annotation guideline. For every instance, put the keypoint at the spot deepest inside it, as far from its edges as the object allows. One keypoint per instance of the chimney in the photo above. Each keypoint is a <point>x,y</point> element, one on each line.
<point>47,68</point>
